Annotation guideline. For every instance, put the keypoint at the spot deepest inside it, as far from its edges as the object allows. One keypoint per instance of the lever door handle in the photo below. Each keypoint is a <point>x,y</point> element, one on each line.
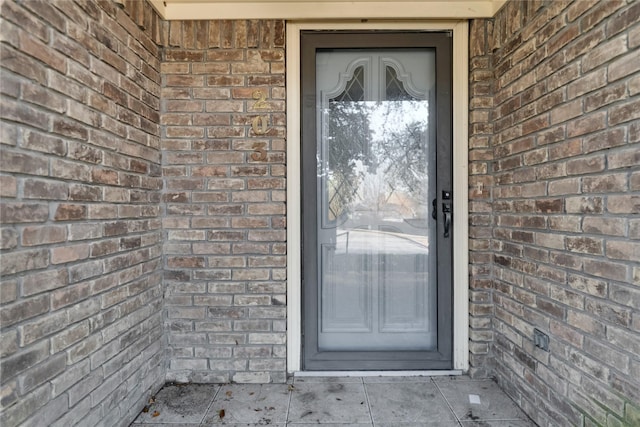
<point>447,223</point>
<point>446,210</point>
<point>434,211</point>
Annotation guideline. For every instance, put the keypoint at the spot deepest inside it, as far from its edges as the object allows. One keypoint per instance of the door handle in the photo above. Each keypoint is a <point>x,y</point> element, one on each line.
<point>434,211</point>
<point>446,210</point>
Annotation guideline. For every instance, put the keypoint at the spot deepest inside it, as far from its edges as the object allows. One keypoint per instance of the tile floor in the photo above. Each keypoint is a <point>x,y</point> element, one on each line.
<point>337,402</point>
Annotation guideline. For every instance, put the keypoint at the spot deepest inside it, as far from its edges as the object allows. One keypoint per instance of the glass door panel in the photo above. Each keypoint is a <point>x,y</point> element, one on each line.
<point>376,157</point>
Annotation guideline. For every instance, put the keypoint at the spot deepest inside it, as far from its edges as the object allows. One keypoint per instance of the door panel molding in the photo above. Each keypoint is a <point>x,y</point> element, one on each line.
<point>459,30</point>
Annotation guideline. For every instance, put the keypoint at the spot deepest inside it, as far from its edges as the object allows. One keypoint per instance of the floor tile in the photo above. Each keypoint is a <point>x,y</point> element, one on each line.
<point>338,402</point>
<point>179,403</point>
<point>494,423</point>
<point>329,402</point>
<point>262,423</point>
<point>258,404</point>
<point>401,402</point>
<point>164,425</point>
<point>439,424</point>
<point>479,401</point>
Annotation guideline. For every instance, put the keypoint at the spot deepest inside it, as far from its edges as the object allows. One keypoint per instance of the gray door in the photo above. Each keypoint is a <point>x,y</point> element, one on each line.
<point>376,200</point>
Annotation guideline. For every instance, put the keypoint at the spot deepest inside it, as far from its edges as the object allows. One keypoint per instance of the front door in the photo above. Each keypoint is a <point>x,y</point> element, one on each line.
<point>376,202</point>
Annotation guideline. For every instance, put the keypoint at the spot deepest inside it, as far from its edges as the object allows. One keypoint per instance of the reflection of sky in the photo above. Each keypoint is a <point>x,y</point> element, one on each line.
<point>394,116</point>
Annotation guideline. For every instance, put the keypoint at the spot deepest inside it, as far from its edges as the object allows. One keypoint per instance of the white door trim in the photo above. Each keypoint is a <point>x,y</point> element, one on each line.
<point>460,30</point>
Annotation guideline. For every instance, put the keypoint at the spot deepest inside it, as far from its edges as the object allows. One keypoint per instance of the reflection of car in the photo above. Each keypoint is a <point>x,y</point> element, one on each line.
<point>389,228</point>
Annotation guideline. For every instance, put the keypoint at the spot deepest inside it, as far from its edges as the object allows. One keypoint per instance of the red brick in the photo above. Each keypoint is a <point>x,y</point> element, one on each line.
<point>43,235</point>
<point>586,124</point>
<point>25,163</point>
<point>184,106</point>
<point>624,19</point>
<point>584,205</point>
<point>566,111</point>
<point>561,77</point>
<point>43,97</point>
<point>24,19</point>
<point>585,245</point>
<point>570,148</point>
<point>634,38</point>
<point>564,186</point>
<point>586,165</point>
<point>623,159</point>
<point>605,184</point>
<point>604,53</point>
<point>271,80</point>
<point>565,223</point>
<point>629,204</point>
<point>184,132</point>
<point>622,67</point>
<point>606,269</point>
<point>9,238</point>
<point>623,250</point>
<point>45,143</point>
<point>600,12</point>
<point>604,140</point>
<point>8,186</point>
<point>248,170</point>
<point>67,212</point>
<point>23,65</point>
<point>568,34</point>
<point>551,135</point>
<point>184,80</point>
<point>279,33</point>
<point>211,93</point>
<point>42,52</point>
<point>185,262</point>
<point>587,83</point>
<point>9,134</point>
<point>624,112</point>
<point>70,128</point>
<point>209,197</point>
<point>608,95</point>
<point>586,42</point>
<point>225,81</point>
<point>266,209</point>
<point>12,213</point>
<point>227,33</point>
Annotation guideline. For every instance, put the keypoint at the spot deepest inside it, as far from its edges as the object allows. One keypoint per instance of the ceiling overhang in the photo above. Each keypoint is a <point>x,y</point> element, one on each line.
<point>325,9</point>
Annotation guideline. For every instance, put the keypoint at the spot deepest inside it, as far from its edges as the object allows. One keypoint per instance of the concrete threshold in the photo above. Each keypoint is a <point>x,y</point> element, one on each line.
<point>376,373</point>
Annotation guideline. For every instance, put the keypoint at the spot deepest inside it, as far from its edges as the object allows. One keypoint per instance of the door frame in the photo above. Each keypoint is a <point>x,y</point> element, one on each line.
<point>460,34</point>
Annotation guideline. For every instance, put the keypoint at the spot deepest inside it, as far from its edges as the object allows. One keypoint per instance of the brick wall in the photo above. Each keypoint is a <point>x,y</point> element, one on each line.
<point>224,202</point>
<point>565,200</point>
<point>80,254</point>
<point>480,184</point>
<point>101,106</point>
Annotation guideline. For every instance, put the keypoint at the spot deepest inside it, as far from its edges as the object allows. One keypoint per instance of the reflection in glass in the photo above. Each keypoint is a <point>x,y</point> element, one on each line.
<point>376,158</point>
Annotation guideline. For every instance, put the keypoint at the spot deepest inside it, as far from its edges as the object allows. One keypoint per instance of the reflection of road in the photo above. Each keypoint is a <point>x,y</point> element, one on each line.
<point>357,241</point>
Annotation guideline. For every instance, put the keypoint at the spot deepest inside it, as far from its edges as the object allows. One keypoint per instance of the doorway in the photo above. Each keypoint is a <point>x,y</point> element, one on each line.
<point>377,200</point>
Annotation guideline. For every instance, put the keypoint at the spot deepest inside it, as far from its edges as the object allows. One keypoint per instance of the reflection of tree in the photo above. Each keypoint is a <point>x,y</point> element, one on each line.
<point>374,192</point>
<point>349,139</point>
<point>376,150</point>
<point>402,149</point>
